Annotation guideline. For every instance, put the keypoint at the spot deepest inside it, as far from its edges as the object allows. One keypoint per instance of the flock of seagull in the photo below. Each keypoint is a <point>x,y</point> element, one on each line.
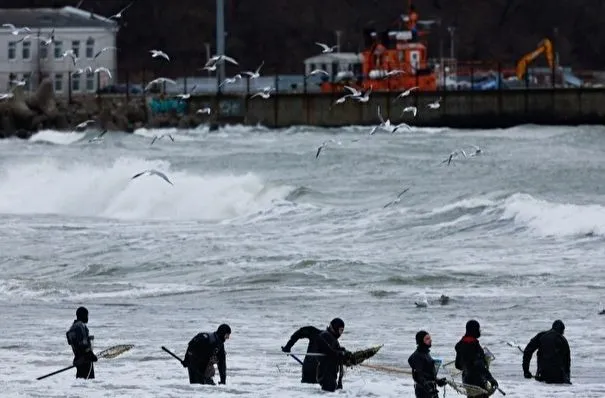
<point>352,94</point>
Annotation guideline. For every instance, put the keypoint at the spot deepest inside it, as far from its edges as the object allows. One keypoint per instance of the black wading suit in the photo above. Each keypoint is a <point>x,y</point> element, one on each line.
<point>309,367</point>
<point>203,350</point>
<point>423,371</point>
<point>554,360</point>
<point>470,359</point>
<point>79,339</point>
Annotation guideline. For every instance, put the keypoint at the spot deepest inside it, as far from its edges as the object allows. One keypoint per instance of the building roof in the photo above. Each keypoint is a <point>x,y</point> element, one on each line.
<point>334,57</point>
<point>66,17</point>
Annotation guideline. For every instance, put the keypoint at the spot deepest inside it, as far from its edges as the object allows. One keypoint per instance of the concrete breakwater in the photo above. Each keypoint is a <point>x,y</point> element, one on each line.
<point>23,116</point>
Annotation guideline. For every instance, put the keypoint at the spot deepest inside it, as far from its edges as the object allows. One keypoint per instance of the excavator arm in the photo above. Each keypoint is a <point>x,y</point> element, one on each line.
<point>545,46</point>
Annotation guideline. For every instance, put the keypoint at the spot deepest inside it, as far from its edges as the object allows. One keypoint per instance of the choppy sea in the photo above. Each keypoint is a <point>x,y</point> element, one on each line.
<point>258,233</point>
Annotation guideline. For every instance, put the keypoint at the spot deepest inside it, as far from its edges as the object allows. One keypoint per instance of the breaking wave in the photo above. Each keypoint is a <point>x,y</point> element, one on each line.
<point>48,186</point>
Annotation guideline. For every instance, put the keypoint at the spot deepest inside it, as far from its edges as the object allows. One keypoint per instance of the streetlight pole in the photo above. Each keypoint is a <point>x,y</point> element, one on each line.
<point>220,36</point>
<point>452,30</point>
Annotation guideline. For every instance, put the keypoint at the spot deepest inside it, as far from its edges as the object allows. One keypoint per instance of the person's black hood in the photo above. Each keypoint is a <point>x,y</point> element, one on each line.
<point>420,340</point>
<point>222,331</point>
<point>82,314</point>
<point>335,325</point>
<point>473,329</point>
<point>558,326</point>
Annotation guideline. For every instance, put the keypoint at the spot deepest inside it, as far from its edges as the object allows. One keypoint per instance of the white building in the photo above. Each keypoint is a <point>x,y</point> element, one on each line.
<point>26,56</point>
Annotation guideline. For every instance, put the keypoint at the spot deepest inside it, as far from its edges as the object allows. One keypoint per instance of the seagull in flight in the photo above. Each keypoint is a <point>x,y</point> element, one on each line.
<point>84,125</point>
<point>231,80</point>
<point>406,93</point>
<point>187,95</point>
<point>412,109</point>
<point>435,105</point>
<point>159,80</point>
<point>398,199</point>
<point>119,14</point>
<point>317,72</point>
<point>323,145</point>
<point>155,137</point>
<point>103,69</point>
<point>265,93</point>
<point>255,74</point>
<point>16,31</point>
<point>513,344</point>
<point>159,53</point>
<point>217,59</point>
<point>98,137</point>
<point>204,110</point>
<point>101,51</point>
<point>152,172</point>
<point>326,49</point>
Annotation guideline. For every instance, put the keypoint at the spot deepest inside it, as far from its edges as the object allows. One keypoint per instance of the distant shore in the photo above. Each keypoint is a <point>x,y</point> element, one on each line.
<point>22,117</point>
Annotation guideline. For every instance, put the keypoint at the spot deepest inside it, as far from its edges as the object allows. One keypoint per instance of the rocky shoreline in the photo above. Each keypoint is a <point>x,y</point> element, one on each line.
<point>22,115</point>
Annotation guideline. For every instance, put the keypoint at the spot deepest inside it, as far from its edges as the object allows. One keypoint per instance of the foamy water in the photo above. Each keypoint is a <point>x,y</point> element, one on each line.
<point>258,233</point>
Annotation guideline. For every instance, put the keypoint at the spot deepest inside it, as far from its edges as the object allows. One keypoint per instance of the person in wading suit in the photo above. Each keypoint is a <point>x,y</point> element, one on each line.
<point>471,359</point>
<point>554,360</point>
<point>81,344</point>
<point>309,367</point>
<point>424,372</point>
<point>334,355</point>
<point>203,351</point>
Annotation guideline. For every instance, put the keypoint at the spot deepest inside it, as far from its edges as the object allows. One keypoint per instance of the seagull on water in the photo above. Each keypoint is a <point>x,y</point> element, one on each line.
<point>153,172</point>
<point>255,74</point>
<point>398,199</point>
<point>155,137</point>
<point>323,145</point>
<point>326,49</point>
<point>159,53</point>
<point>422,304</point>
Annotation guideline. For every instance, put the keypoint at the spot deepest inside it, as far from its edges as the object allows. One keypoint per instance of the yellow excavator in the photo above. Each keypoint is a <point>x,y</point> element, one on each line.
<point>545,46</point>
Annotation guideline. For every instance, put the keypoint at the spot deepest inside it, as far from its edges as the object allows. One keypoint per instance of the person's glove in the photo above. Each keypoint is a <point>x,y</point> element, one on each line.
<point>494,383</point>
<point>527,374</point>
<point>441,382</point>
<point>285,349</point>
<point>93,357</point>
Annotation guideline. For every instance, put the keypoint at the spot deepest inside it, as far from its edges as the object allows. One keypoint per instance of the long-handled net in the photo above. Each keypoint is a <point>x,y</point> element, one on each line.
<point>114,351</point>
<point>468,389</point>
<point>108,353</point>
<point>358,357</point>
